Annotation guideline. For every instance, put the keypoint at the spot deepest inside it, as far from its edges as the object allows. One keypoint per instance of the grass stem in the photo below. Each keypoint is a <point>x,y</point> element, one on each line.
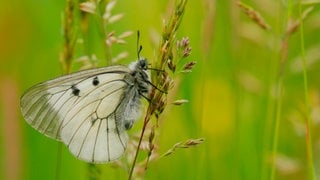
<point>311,169</point>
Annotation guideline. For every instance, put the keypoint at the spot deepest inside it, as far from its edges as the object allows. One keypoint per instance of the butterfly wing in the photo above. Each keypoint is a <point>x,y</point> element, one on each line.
<point>79,109</point>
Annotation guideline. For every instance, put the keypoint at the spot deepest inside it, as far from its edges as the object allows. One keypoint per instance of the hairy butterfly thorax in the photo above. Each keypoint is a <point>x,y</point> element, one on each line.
<point>141,76</point>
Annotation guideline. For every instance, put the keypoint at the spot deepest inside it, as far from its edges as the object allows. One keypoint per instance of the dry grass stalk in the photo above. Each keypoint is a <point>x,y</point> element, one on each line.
<point>253,15</point>
<point>186,144</point>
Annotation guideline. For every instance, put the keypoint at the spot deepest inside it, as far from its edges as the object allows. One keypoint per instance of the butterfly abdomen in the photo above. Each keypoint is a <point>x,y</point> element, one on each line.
<point>129,109</point>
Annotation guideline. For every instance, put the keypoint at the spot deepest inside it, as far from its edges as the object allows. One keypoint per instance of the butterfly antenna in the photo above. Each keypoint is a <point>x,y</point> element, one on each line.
<point>139,47</point>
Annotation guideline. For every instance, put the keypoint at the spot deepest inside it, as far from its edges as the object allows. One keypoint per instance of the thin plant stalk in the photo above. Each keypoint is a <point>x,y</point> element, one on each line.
<point>276,127</point>
<point>69,37</point>
<point>311,170</point>
<point>145,123</point>
<point>283,60</point>
<point>103,32</point>
<point>58,165</point>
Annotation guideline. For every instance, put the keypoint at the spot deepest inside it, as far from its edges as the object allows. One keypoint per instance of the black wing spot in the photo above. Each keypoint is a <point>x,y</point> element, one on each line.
<point>95,81</point>
<point>75,90</point>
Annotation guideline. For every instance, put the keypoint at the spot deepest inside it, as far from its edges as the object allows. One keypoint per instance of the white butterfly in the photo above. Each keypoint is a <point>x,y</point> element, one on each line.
<point>90,110</point>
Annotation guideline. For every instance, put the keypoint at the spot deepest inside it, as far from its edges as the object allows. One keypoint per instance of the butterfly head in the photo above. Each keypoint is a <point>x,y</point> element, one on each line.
<point>140,65</point>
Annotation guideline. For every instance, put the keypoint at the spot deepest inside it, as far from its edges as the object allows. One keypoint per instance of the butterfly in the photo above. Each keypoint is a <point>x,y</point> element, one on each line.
<point>91,110</point>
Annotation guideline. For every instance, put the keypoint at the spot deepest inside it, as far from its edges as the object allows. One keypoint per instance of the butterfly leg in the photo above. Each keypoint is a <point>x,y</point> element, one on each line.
<point>148,99</point>
<point>154,86</point>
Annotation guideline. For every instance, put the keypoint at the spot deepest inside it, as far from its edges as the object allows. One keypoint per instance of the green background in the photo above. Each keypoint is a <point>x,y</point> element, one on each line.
<point>232,91</point>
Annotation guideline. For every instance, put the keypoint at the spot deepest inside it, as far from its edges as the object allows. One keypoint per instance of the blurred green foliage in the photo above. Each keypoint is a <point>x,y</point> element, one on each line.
<point>231,91</point>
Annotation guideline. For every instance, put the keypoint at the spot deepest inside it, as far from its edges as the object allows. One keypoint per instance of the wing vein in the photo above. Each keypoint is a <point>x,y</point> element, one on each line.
<point>95,141</point>
<point>108,142</point>
<point>84,139</point>
<point>54,103</point>
<point>77,129</point>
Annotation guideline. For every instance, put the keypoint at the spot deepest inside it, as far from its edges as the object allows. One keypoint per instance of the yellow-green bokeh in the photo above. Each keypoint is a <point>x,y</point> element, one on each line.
<point>231,91</point>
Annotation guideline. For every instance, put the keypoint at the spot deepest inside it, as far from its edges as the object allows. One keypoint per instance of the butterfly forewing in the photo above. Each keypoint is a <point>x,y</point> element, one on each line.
<point>80,109</point>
